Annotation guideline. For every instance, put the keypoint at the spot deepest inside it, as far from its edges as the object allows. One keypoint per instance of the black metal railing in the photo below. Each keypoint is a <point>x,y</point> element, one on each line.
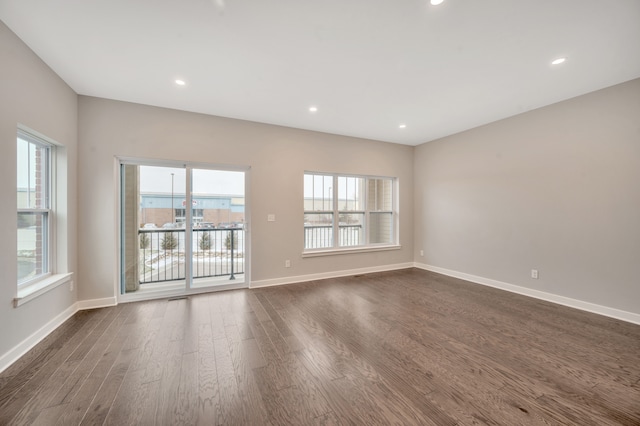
<point>321,236</point>
<point>215,253</point>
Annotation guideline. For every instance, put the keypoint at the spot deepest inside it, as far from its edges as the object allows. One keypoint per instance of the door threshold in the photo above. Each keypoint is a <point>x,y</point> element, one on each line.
<point>177,288</point>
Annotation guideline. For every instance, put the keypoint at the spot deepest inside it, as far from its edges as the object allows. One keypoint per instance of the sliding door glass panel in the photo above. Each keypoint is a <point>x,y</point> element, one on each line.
<point>218,231</point>
<point>153,238</point>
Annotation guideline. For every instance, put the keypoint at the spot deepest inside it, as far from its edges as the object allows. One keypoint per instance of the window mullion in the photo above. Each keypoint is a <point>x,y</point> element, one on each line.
<point>336,213</point>
<point>188,224</point>
<point>365,200</point>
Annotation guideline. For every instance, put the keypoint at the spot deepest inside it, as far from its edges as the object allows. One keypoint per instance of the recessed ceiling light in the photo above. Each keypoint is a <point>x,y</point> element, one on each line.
<point>180,82</point>
<point>402,126</point>
<point>436,2</point>
<point>313,109</point>
<point>558,61</point>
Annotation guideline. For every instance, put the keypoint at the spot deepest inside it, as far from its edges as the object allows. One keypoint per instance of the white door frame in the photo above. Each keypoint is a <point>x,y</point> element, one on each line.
<point>186,288</point>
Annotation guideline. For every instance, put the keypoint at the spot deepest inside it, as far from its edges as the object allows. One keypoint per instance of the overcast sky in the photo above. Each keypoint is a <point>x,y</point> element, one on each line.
<point>214,182</point>
<point>26,164</point>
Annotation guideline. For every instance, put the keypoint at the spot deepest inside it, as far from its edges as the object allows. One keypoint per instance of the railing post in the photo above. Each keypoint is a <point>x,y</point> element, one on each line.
<point>232,277</point>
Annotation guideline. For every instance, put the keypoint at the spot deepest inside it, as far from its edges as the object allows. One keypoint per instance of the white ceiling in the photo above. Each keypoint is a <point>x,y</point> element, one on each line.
<point>368,65</point>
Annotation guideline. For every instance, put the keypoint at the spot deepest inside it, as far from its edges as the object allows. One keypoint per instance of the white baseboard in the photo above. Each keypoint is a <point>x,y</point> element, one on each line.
<point>326,275</point>
<point>96,303</point>
<point>549,297</point>
<point>23,347</point>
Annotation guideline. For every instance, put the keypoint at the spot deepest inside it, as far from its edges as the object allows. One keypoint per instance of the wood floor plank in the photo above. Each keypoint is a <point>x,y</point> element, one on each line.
<point>230,411</point>
<point>89,353</point>
<point>128,407</point>
<point>159,353</point>
<point>187,401</point>
<point>273,369</point>
<point>25,364</point>
<point>18,391</point>
<point>243,365</point>
<point>208,389</point>
<point>102,402</point>
<point>41,389</point>
<point>169,382</point>
<point>92,381</point>
<point>49,416</point>
<point>371,372</point>
<point>399,347</point>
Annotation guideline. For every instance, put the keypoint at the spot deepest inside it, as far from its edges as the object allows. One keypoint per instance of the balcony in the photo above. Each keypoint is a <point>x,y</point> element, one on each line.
<point>216,253</point>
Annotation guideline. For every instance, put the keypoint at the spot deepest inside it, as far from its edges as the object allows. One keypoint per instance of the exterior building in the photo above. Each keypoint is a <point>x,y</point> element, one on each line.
<point>214,210</point>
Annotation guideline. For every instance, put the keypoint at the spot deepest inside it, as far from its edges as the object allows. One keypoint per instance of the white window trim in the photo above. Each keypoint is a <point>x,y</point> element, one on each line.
<point>32,289</point>
<point>349,250</point>
<point>50,260</point>
<point>367,247</point>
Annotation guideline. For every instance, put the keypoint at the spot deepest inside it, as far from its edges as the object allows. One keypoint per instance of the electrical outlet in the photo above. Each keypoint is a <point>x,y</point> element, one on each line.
<point>421,252</point>
<point>534,274</point>
<point>287,263</point>
<point>71,285</point>
<point>271,217</point>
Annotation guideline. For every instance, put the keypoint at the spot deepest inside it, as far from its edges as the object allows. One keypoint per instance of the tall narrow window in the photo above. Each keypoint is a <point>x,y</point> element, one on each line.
<point>363,206</point>
<point>34,207</point>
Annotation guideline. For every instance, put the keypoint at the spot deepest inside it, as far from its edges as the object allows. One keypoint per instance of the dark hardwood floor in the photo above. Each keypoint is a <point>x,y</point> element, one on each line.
<point>405,347</point>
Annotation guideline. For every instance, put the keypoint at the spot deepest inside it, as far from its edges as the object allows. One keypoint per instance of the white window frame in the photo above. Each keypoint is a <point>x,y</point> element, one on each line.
<point>46,210</point>
<point>336,212</point>
<point>27,290</point>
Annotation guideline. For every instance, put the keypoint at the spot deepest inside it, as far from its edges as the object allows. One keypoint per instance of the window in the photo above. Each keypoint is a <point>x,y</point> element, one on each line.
<point>196,215</point>
<point>342,212</point>
<point>34,207</point>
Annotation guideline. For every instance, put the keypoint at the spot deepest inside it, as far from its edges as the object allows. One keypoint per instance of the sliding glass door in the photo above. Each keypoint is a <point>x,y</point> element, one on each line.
<point>218,231</point>
<point>182,229</point>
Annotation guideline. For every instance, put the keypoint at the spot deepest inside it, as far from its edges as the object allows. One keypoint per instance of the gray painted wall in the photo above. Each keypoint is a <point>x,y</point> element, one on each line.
<point>32,95</point>
<point>278,157</point>
<point>556,189</point>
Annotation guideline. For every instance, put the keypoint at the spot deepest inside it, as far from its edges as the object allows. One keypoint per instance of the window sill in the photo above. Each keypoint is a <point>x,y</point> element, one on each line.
<point>331,252</point>
<point>31,291</point>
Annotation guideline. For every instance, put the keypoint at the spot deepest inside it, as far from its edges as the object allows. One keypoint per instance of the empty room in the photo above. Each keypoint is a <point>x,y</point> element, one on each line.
<point>243,212</point>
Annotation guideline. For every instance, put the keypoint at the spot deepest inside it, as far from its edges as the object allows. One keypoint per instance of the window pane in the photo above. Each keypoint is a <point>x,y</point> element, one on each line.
<point>318,192</point>
<point>318,230</point>
<point>33,175</point>
<point>217,252</point>
<point>380,228</point>
<point>350,193</point>
<point>380,195</point>
<point>351,226</point>
<point>32,245</point>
